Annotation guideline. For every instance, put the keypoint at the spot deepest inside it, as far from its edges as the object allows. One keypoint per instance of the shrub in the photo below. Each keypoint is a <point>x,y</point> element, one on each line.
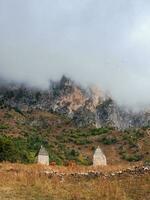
<point>82,142</point>
<point>34,141</point>
<point>71,154</point>
<point>3,127</point>
<point>147,161</point>
<point>18,111</point>
<point>99,131</point>
<point>108,140</point>
<point>83,160</point>
<point>7,116</point>
<point>8,151</point>
<point>16,150</point>
<point>54,158</point>
<point>133,136</point>
<point>132,158</point>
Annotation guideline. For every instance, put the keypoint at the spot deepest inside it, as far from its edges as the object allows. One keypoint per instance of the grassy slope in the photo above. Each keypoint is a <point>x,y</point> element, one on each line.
<point>66,142</point>
<point>21,182</point>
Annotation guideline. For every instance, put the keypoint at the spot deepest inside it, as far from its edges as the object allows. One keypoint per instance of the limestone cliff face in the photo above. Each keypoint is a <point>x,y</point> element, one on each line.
<point>110,114</point>
<point>86,107</point>
<point>71,99</point>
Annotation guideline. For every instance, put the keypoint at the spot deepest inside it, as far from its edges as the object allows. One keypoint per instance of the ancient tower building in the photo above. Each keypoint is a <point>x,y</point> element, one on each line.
<point>43,156</point>
<point>99,159</point>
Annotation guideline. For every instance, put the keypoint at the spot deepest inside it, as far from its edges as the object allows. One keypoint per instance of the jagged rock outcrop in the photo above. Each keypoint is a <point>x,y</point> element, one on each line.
<point>86,107</point>
<point>110,114</point>
<point>67,96</point>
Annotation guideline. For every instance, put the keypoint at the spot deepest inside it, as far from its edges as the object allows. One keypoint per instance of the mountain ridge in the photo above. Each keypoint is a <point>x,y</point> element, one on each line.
<point>85,107</point>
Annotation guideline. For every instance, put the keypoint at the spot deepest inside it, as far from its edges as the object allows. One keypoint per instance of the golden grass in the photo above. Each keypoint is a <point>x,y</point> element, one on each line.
<point>25,182</point>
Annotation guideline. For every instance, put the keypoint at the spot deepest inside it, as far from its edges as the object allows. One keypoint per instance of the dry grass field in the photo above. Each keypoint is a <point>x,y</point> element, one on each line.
<point>29,182</point>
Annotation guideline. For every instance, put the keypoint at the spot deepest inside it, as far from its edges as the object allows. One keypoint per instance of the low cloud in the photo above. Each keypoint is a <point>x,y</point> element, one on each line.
<point>93,42</point>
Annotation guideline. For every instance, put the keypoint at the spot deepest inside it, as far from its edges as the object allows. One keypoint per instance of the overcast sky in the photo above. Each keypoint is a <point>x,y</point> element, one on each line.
<point>93,41</point>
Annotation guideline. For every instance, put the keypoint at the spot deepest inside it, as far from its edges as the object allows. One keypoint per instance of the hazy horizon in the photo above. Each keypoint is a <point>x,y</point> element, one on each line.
<point>106,43</point>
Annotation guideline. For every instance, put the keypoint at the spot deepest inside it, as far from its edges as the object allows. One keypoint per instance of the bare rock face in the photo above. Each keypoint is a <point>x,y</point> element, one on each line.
<point>86,107</point>
<point>110,114</point>
<point>99,159</point>
<point>71,98</point>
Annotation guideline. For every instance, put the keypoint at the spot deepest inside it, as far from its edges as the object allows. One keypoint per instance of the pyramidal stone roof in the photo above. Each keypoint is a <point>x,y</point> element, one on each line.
<point>43,151</point>
<point>98,151</point>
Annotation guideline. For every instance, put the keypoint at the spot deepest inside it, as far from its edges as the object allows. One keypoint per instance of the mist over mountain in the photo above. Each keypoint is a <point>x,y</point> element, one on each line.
<point>93,42</point>
<point>84,106</point>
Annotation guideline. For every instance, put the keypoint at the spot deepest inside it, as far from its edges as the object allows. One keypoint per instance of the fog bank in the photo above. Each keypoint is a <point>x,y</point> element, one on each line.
<point>106,43</point>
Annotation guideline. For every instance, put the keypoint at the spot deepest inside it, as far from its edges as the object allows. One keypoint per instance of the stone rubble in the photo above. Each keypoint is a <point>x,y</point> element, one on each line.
<point>93,174</point>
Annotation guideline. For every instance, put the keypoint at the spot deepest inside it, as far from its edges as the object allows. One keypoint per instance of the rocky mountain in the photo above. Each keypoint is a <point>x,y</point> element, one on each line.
<point>86,107</point>
<point>110,114</point>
